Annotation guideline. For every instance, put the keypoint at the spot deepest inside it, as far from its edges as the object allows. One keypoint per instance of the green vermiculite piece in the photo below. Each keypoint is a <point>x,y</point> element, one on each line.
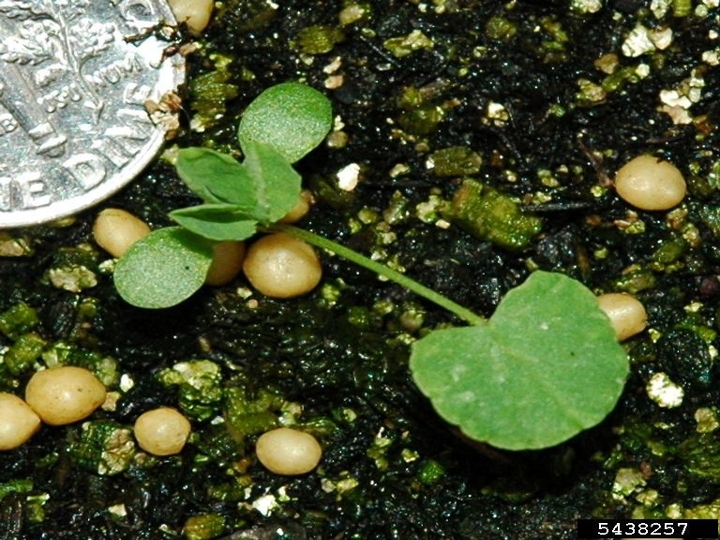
<point>456,161</point>
<point>319,39</point>
<point>200,387</point>
<point>21,354</point>
<point>492,216</point>
<point>17,320</point>
<point>104,447</point>
<point>204,527</point>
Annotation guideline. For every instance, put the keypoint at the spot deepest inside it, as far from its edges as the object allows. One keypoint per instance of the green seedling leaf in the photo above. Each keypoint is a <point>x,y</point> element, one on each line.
<point>292,118</point>
<point>217,178</point>
<point>277,184</point>
<point>215,221</point>
<point>544,367</point>
<point>163,269</point>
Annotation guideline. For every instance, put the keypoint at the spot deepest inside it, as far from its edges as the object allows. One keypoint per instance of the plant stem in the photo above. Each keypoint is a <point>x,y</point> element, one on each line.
<point>401,279</point>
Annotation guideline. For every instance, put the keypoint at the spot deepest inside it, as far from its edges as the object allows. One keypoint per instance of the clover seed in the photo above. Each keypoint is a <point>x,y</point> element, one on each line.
<point>18,422</point>
<point>650,183</point>
<point>281,266</point>
<point>115,230</point>
<point>227,261</point>
<point>288,451</point>
<point>627,315</point>
<point>65,394</point>
<point>301,208</point>
<point>162,431</point>
<point>195,14</point>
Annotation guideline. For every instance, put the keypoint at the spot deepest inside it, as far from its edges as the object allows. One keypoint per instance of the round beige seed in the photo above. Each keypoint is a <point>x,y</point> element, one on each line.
<point>115,230</point>
<point>63,395</point>
<point>18,422</point>
<point>627,315</point>
<point>281,266</point>
<point>226,263</point>
<point>288,451</point>
<point>649,183</point>
<point>162,432</point>
<point>301,208</point>
<point>194,13</point>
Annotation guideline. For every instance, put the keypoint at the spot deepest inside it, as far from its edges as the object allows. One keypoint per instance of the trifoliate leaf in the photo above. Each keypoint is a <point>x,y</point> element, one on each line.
<point>163,269</point>
<point>277,184</point>
<point>263,188</point>
<point>292,118</point>
<point>215,221</point>
<point>216,178</point>
<point>544,367</point>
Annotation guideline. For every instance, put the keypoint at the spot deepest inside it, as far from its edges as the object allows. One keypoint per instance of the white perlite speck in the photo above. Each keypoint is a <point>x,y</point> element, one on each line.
<point>586,6</point>
<point>664,392</point>
<point>265,504</point>
<point>638,42</point>
<point>660,7</point>
<point>643,40</point>
<point>348,177</point>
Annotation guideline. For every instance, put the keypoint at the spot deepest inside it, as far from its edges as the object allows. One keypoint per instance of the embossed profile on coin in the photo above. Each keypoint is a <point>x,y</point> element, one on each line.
<point>74,79</point>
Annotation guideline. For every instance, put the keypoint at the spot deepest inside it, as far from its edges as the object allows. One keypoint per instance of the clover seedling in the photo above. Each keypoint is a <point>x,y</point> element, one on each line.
<point>237,197</point>
<point>292,118</point>
<point>543,368</point>
<point>173,252</point>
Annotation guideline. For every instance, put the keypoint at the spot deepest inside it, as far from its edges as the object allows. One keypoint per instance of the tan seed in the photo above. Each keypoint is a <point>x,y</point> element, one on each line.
<point>63,395</point>
<point>18,422</point>
<point>627,315</point>
<point>281,266</point>
<point>194,13</point>
<point>288,451</point>
<point>301,208</point>
<point>226,263</point>
<point>650,183</point>
<point>116,230</point>
<point>162,431</point>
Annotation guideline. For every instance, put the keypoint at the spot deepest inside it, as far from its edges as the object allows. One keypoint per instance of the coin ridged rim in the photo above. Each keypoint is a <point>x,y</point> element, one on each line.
<point>172,74</point>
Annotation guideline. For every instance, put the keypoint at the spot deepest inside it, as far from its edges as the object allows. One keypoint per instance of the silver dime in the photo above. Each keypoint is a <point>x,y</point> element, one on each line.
<point>75,78</point>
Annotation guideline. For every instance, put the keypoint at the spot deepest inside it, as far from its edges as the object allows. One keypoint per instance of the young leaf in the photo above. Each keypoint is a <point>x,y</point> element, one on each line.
<point>163,269</point>
<point>292,118</point>
<point>216,178</point>
<point>277,184</point>
<point>215,221</point>
<point>544,367</point>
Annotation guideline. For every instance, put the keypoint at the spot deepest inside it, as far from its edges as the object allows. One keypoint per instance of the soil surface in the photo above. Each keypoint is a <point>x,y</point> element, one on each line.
<point>540,100</point>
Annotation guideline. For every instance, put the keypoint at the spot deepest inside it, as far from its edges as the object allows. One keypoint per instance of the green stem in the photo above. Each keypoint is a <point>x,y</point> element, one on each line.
<point>401,279</point>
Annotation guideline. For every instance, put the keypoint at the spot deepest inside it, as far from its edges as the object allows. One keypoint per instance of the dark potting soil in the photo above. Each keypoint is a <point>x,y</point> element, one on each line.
<point>533,103</point>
